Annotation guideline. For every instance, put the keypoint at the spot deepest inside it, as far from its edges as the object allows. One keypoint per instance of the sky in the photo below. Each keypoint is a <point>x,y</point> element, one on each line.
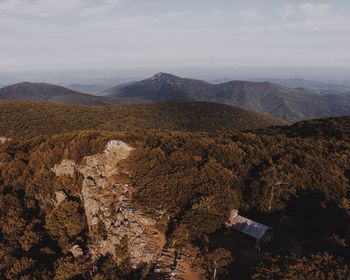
<point>115,34</point>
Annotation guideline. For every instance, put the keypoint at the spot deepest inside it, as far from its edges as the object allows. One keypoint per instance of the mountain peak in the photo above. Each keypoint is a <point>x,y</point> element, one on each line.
<point>24,84</point>
<point>29,85</point>
<point>162,75</point>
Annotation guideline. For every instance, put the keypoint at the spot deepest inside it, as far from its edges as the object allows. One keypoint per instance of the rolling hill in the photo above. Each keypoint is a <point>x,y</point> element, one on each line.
<point>57,94</point>
<point>265,97</point>
<point>317,86</point>
<point>48,93</point>
<point>33,118</point>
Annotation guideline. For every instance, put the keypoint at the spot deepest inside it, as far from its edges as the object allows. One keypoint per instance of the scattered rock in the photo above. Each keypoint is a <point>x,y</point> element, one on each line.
<point>76,251</point>
<point>172,265</point>
<point>166,263</point>
<point>60,197</point>
<point>4,139</point>
<point>66,167</point>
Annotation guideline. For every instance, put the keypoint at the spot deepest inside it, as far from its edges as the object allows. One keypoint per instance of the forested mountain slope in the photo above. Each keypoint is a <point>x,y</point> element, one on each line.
<point>47,93</point>
<point>175,191</point>
<point>265,97</point>
<point>29,118</point>
<point>43,92</point>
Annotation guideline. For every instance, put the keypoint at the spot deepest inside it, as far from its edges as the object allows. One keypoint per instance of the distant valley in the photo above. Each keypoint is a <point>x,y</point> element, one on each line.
<point>94,89</point>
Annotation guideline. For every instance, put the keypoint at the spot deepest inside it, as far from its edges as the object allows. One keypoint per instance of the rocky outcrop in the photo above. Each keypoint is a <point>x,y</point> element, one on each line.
<point>60,197</point>
<point>112,219</point>
<point>76,251</point>
<point>4,139</point>
<point>166,263</point>
<point>173,265</point>
<point>115,224</point>
<point>66,167</point>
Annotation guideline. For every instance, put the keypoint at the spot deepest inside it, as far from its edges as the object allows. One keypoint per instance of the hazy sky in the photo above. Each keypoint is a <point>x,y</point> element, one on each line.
<point>100,34</point>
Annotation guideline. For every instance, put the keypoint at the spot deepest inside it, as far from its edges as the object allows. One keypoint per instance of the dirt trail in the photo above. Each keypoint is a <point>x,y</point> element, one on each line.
<point>189,273</point>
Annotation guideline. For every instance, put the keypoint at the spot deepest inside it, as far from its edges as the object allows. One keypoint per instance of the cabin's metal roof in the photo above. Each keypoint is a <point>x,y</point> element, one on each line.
<point>247,226</point>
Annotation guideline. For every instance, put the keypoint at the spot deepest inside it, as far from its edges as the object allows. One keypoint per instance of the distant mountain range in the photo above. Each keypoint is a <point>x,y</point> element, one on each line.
<point>326,87</point>
<point>48,93</point>
<point>265,97</point>
<point>58,94</point>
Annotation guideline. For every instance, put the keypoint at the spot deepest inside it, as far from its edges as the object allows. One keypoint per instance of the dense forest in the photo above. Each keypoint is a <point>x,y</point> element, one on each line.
<point>294,179</point>
<point>19,118</point>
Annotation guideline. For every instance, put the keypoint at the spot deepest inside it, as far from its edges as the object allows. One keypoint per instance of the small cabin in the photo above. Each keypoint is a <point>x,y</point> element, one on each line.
<point>262,234</point>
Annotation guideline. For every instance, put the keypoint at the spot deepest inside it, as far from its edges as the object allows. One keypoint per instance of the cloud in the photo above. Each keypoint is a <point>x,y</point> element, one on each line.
<point>249,14</point>
<point>177,14</point>
<point>51,33</point>
<point>312,16</point>
<point>287,11</point>
<point>315,10</point>
<point>305,10</point>
<point>53,8</point>
<point>320,24</point>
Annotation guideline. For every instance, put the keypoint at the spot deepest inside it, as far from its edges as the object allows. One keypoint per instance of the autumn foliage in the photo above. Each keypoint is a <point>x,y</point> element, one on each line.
<point>293,180</point>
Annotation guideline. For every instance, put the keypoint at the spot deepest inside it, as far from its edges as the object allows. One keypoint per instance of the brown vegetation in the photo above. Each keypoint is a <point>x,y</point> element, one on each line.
<point>32,119</point>
<point>294,181</point>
